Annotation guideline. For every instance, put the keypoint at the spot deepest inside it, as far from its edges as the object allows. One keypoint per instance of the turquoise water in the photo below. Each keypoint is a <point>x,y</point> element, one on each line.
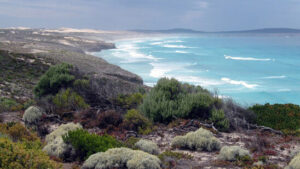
<point>249,69</point>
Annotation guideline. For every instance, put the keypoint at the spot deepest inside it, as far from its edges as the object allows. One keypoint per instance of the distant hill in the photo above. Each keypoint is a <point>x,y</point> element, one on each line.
<point>190,31</point>
<point>266,30</point>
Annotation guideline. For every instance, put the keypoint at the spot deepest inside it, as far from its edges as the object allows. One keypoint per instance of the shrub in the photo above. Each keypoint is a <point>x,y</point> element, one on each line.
<point>238,116</point>
<point>56,77</point>
<point>122,158</point>
<point>176,155</point>
<point>56,146</point>
<point>67,100</point>
<point>219,120</point>
<point>200,140</point>
<point>109,118</point>
<point>170,100</point>
<point>23,155</point>
<point>17,132</point>
<point>147,146</point>
<point>232,153</point>
<point>278,116</point>
<point>295,163</point>
<point>87,144</point>
<point>32,115</point>
<point>133,120</point>
<point>7,104</point>
<point>81,84</point>
<point>130,142</point>
<point>129,101</point>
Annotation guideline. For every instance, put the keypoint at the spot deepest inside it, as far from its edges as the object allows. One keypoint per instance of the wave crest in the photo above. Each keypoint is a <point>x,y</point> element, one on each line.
<point>247,58</point>
<point>235,82</point>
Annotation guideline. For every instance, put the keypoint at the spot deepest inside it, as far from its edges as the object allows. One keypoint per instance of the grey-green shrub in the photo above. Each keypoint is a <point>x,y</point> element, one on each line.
<point>232,153</point>
<point>122,158</point>
<point>147,146</point>
<point>55,145</point>
<point>170,100</point>
<point>295,163</point>
<point>200,140</point>
<point>32,115</point>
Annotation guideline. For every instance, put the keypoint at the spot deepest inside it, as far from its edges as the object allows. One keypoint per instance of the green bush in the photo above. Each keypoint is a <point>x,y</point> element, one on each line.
<point>219,120</point>
<point>56,77</point>
<point>87,144</point>
<point>170,100</point>
<point>67,100</point>
<point>200,140</point>
<point>133,120</point>
<point>129,101</point>
<point>81,84</point>
<point>233,153</point>
<point>25,155</point>
<point>122,158</point>
<point>278,116</point>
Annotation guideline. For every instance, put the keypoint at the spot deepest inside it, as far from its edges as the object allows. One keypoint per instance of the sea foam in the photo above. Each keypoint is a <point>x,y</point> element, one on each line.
<point>247,58</point>
<point>235,82</point>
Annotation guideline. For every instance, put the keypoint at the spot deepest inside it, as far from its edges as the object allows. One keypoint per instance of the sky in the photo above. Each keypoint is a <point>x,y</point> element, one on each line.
<point>206,15</point>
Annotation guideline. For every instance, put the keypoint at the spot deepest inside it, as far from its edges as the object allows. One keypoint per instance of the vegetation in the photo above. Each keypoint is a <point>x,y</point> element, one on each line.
<point>129,101</point>
<point>108,119</point>
<point>56,146</point>
<point>8,104</point>
<point>285,117</point>
<point>147,146</point>
<point>18,75</point>
<point>17,132</point>
<point>122,158</point>
<point>133,120</point>
<point>200,140</point>
<point>32,115</point>
<point>23,155</point>
<point>87,144</point>
<point>68,100</point>
<point>56,77</point>
<point>176,155</point>
<point>170,100</point>
<point>233,153</point>
<point>130,142</point>
<point>219,120</point>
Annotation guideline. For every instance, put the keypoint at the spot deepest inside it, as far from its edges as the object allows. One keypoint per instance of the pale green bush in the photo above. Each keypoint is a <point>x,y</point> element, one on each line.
<point>55,145</point>
<point>122,158</point>
<point>232,153</point>
<point>147,146</point>
<point>295,163</point>
<point>32,115</point>
<point>200,140</point>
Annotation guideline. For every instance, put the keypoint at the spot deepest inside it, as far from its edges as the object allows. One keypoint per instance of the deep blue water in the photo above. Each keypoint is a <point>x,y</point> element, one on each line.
<point>249,69</point>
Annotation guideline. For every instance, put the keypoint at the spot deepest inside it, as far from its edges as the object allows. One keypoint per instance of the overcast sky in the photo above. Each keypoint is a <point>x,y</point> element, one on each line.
<point>208,15</point>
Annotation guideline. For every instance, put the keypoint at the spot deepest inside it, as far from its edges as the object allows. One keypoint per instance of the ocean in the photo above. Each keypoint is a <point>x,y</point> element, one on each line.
<point>250,69</point>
